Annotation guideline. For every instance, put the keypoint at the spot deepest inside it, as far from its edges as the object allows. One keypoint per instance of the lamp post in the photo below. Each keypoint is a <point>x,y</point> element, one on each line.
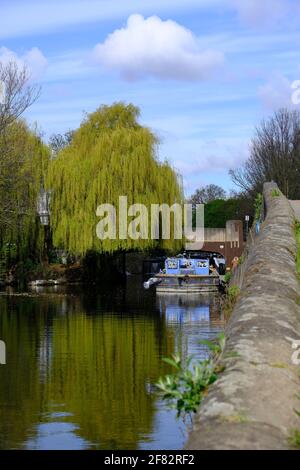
<point>43,210</point>
<point>247,223</point>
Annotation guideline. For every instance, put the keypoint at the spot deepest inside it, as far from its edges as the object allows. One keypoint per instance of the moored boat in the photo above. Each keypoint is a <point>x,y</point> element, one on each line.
<point>187,275</point>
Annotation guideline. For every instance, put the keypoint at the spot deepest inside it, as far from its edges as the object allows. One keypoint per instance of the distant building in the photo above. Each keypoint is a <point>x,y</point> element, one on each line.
<point>228,241</point>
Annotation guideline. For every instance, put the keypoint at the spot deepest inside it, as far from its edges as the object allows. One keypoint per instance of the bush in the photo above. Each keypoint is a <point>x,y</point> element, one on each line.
<point>184,390</point>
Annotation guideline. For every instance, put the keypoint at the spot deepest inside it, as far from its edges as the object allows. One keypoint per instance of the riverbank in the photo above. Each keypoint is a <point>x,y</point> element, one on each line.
<point>252,404</point>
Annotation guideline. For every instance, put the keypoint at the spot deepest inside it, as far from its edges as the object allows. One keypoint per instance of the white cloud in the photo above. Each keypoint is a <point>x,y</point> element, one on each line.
<point>276,93</point>
<point>157,48</point>
<point>33,59</point>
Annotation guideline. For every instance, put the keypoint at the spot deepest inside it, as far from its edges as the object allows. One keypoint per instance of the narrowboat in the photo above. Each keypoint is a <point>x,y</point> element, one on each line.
<point>183,274</point>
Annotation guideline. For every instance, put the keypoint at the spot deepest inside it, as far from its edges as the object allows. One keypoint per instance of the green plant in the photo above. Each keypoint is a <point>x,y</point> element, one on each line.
<point>184,389</point>
<point>294,438</point>
<point>241,259</point>
<point>227,277</point>
<point>8,253</point>
<point>258,203</point>
<point>233,292</point>
<point>297,233</point>
<point>229,300</point>
<point>275,192</point>
<point>215,347</point>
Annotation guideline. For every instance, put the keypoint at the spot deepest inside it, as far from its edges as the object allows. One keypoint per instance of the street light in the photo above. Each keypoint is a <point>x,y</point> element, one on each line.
<point>43,206</point>
<point>247,218</point>
<point>43,210</point>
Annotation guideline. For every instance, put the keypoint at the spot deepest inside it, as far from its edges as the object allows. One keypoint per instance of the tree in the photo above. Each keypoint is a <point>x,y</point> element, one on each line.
<point>207,194</point>
<point>274,155</point>
<point>24,160</point>
<point>19,94</point>
<point>217,212</point>
<point>14,142</point>
<point>58,142</point>
<point>110,155</point>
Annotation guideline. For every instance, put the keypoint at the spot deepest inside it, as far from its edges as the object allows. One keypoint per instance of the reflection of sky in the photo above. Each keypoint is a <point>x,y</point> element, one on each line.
<point>176,314</point>
<point>192,319</point>
<point>168,433</point>
<point>57,435</point>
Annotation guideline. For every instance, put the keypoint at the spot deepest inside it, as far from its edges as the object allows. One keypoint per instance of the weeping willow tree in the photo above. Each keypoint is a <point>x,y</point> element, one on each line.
<point>110,155</point>
<point>23,161</point>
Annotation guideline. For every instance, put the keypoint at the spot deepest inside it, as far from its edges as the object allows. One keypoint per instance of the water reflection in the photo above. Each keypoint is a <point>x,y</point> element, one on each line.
<point>81,367</point>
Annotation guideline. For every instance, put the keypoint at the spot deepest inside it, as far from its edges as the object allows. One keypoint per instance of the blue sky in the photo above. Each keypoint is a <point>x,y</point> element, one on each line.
<point>203,72</point>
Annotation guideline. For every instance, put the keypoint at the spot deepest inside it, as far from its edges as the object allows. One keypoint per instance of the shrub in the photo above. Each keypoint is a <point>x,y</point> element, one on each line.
<point>184,389</point>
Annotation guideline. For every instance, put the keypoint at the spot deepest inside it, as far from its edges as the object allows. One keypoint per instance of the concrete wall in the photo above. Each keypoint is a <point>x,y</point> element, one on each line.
<point>251,405</point>
<point>228,241</point>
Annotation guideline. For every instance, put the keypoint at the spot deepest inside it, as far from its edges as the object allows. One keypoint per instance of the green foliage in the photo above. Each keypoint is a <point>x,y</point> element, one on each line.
<point>110,155</point>
<point>229,300</point>
<point>218,211</point>
<point>241,259</point>
<point>216,347</point>
<point>24,160</point>
<point>297,231</point>
<point>294,439</point>
<point>258,203</point>
<point>184,389</point>
<point>8,252</point>
<point>232,293</point>
<point>275,193</point>
<point>28,268</point>
<point>227,277</point>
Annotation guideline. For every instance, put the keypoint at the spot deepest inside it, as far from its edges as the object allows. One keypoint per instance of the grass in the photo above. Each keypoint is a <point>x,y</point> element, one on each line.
<point>297,231</point>
<point>258,204</point>
<point>229,300</point>
<point>294,439</point>
<point>275,193</point>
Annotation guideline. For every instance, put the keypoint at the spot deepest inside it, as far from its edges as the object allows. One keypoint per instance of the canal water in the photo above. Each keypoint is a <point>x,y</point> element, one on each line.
<point>81,366</point>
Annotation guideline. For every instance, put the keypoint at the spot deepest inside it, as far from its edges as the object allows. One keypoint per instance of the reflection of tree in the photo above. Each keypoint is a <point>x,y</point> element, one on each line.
<point>20,391</point>
<point>100,368</point>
